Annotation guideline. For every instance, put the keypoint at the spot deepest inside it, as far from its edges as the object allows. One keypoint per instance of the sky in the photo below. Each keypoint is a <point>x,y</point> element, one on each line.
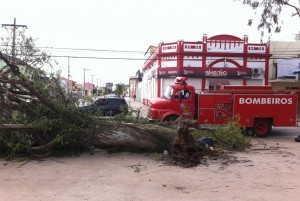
<point>113,35</point>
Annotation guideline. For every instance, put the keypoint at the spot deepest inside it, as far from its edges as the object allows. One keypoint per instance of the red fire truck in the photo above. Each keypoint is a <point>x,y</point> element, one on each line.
<point>256,108</point>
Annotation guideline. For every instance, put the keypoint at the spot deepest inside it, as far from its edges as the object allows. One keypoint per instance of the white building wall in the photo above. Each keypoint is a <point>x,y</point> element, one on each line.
<point>225,62</point>
<point>192,61</point>
<point>148,86</point>
<point>236,59</point>
<point>196,82</point>
<point>165,82</point>
<point>211,59</point>
<point>144,93</point>
<point>169,61</point>
<point>256,63</point>
<point>154,88</point>
<point>139,90</point>
<point>217,46</point>
<point>252,82</point>
<point>236,82</point>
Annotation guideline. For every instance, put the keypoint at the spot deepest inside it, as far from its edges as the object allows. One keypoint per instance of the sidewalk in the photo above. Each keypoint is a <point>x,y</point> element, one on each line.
<point>137,105</point>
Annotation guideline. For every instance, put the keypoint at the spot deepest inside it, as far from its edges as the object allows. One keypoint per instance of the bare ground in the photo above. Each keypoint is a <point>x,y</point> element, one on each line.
<point>268,171</point>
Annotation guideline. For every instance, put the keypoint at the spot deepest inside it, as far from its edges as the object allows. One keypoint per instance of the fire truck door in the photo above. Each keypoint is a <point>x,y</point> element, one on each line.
<point>184,103</point>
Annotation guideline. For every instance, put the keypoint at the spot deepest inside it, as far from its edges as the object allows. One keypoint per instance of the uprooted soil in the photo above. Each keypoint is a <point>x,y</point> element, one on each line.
<point>268,171</point>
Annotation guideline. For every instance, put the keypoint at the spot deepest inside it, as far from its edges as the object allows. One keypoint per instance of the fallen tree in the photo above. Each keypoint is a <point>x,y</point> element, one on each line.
<point>37,116</point>
<point>45,122</point>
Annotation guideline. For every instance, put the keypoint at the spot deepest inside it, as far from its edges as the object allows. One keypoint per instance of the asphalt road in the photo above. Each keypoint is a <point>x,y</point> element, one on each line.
<point>287,133</point>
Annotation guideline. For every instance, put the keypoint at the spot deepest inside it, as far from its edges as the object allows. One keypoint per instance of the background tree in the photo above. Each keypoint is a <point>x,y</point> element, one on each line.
<point>29,96</point>
<point>107,90</point>
<point>119,89</point>
<point>271,11</point>
<point>26,52</point>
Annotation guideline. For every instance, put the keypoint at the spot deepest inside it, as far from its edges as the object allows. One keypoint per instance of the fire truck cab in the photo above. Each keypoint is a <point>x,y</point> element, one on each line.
<point>257,108</point>
<point>177,100</point>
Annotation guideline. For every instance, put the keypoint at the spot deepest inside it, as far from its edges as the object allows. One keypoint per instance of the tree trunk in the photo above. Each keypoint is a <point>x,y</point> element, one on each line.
<point>15,126</point>
<point>185,151</point>
<point>147,137</point>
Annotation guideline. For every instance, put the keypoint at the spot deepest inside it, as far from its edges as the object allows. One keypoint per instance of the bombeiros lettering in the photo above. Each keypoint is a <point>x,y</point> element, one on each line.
<point>266,101</point>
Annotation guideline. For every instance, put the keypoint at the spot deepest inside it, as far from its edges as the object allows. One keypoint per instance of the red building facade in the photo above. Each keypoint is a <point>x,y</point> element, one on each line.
<point>214,61</point>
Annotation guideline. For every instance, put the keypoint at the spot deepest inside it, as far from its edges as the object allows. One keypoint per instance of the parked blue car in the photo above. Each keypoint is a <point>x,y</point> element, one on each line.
<point>107,106</point>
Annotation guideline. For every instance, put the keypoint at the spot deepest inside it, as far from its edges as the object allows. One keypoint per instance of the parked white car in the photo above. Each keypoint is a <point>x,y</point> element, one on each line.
<point>111,96</point>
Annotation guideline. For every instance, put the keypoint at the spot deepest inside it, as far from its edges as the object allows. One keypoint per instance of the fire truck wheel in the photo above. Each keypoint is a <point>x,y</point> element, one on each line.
<point>249,131</point>
<point>170,118</point>
<point>262,127</point>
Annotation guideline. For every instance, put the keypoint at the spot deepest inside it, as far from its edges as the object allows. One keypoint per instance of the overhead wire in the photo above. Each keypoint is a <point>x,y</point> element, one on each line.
<point>86,49</point>
<point>133,51</point>
<point>165,59</point>
<point>284,54</point>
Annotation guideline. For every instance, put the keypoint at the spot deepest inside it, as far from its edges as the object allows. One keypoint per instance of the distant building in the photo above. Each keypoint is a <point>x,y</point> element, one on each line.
<point>88,87</point>
<point>285,64</point>
<point>68,85</point>
<point>135,86</point>
<point>126,92</point>
<point>109,87</point>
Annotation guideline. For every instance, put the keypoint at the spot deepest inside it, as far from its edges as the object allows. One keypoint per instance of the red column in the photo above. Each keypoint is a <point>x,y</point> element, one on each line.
<point>204,51</point>
<point>158,87</point>
<point>179,54</point>
<point>159,66</point>
<point>245,56</point>
<point>267,62</point>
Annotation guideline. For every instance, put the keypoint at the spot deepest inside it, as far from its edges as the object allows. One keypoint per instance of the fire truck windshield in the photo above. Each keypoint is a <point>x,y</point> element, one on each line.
<point>168,92</point>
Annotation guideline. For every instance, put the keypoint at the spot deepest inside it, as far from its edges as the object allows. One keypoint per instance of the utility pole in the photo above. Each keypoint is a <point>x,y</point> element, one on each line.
<point>85,69</point>
<point>97,86</point>
<point>68,74</point>
<point>93,79</point>
<point>68,68</point>
<point>15,26</point>
<point>93,84</point>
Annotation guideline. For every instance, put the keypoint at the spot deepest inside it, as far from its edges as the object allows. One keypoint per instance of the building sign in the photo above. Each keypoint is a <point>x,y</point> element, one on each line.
<point>204,72</point>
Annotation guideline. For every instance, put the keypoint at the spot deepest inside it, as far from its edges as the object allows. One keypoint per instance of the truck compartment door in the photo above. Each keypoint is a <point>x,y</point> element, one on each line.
<point>214,108</point>
<point>206,116</point>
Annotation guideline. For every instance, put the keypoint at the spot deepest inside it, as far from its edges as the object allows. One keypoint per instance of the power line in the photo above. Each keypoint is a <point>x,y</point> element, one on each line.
<point>274,56</point>
<point>292,50</point>
<point>94,50</point>
<point>104,58</point>
<point>85,49</point>
<point>279,51</point>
